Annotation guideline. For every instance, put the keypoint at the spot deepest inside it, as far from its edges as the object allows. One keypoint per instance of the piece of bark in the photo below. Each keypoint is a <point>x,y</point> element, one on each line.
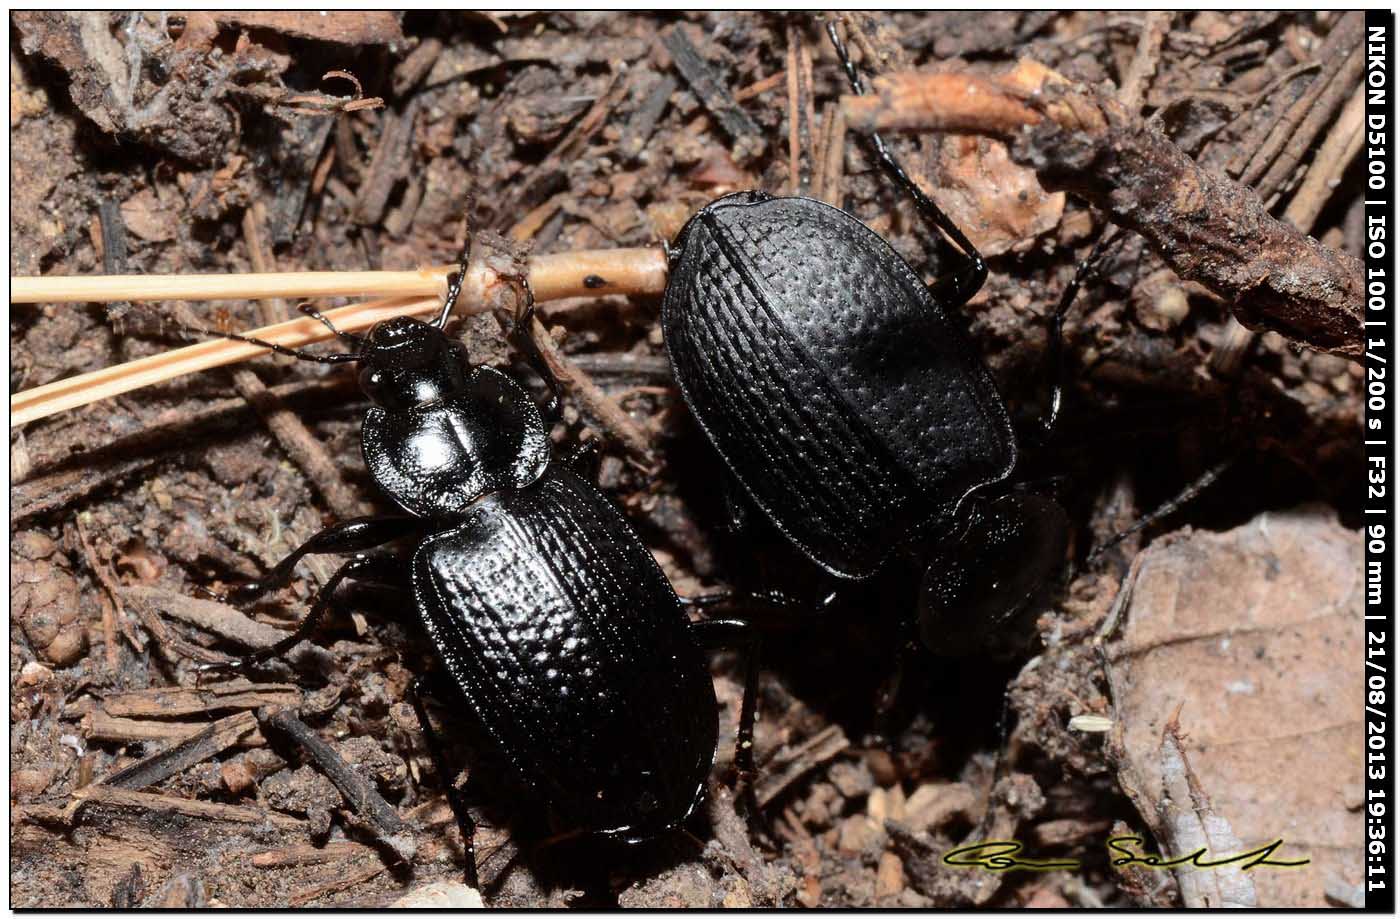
<point>341,28</point>
<point>642,123</point>
<point>210,615</point>
<point>388,165</point>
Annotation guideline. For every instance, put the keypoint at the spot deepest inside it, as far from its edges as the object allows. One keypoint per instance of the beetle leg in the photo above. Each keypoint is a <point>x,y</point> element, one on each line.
<point>343,538</point>
<point>520,335</point>
<point>736,504</point>
<point>455,280</point>
<point>721,634</point>
<point>984,826</point>
<point>455,799</point>
<point>585,452</point>
<point>962,284</point>
<point>378,568</point>
<point>771,597</point>
<point>716,634</point>
<point>887,698</point>
<point>1054,347</point>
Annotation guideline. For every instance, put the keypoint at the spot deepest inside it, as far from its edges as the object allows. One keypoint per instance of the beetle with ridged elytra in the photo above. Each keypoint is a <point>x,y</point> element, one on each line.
<point>550,618</point>
<point>849,406</point>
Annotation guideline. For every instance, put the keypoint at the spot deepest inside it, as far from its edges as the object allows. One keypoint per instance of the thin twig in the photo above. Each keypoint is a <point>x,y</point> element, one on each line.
<point>758,88</point>
<point>797,761</point>
<point>69,450</point>
<point>1334,55</point>
<point>365,802</point>
<point>800,112</point>
<point>590,396</point>
<point>303,854</point>
<point>204,810</point>
<point>112,608</point>
<point>831,169</point>
<point>195,749</point>
<point>184,701</point>
<point>1331,161</point>
<point>1145,59</point>
<point>343,882</point>
<point>1322,114</point>
<point>216,618</point>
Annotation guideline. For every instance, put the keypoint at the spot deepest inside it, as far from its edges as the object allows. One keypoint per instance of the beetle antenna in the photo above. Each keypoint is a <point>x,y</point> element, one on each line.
<point>349,338</point>
<point>1188,493</point>
<point>301,354</point>
<point>964,285</point>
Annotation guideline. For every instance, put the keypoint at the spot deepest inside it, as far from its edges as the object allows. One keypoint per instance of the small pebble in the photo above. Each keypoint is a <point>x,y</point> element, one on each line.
<point>237,777</point>
<point>889,877</point>
<point>440,895</point>
<point>30,783</point>
<point>33,673</point>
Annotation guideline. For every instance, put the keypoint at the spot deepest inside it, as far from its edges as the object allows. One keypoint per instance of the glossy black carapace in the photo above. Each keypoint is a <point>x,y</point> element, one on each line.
<point>846,400</point>
<point>835,386</point>
<point>551,619</point>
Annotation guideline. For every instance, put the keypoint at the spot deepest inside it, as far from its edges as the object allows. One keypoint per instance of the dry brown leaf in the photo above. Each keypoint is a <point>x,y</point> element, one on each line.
<point>1256,636</point>
<point>998,204</point>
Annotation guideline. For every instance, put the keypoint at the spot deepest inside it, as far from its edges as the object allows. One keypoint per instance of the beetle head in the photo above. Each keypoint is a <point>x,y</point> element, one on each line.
<point>976,591</point>
<point>404,363</point>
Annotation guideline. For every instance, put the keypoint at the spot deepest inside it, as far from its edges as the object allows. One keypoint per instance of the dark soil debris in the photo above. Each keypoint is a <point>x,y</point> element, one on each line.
<point>163,142</point>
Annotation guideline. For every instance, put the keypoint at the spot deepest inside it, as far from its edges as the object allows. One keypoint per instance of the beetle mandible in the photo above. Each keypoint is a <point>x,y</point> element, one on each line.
<point>549,616</point>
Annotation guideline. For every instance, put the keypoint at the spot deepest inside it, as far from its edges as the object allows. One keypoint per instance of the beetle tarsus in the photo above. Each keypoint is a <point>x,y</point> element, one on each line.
<point>455,799</point>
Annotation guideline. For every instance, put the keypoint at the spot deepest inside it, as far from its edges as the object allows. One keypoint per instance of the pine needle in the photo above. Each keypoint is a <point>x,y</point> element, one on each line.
<point>411,293</point>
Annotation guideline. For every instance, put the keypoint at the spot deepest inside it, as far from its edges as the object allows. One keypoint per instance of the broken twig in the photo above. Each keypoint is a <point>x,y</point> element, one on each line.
<point>365,801</point>
<point>1206,227</point>
<point>192,750</point>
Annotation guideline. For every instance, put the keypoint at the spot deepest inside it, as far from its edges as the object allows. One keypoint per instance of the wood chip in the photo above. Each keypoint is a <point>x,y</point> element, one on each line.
<point>204,810</point>
<point>180,702</point>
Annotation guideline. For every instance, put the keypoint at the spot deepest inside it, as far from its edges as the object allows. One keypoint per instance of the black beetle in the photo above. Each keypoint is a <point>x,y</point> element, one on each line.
<point>846,400</point>
<point>550,617</point>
